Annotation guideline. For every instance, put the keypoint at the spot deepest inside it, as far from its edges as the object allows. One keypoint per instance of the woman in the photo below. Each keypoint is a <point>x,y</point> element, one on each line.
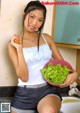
<point>28,52</point>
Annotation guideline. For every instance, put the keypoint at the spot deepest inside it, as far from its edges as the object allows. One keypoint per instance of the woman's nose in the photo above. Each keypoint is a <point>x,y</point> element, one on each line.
<point>34,22</point>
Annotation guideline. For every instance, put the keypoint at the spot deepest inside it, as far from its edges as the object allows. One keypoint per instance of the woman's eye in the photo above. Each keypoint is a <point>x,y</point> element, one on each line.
<point>40,20</point>
<point>31,16</point>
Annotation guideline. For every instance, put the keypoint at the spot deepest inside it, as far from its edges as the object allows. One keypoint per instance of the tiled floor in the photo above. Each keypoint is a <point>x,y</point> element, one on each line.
<point>69,104</point>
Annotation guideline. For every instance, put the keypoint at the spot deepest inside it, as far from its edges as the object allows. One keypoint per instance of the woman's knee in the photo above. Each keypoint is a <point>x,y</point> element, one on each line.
<point>49,110</point>
<point>53,110</point>
<point>49,104</point>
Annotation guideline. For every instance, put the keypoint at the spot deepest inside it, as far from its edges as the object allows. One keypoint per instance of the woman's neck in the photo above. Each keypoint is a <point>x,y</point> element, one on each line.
<point>29,35</point>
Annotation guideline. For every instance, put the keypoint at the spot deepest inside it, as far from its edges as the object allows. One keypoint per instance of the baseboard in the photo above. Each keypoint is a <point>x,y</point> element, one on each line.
<point>9,91</point>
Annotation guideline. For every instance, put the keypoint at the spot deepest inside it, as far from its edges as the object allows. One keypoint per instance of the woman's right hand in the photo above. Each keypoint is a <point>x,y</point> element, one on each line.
<point>16,41</point>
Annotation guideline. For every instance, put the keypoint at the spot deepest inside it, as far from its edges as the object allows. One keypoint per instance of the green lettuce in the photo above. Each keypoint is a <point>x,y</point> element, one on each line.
<point>56,74</point>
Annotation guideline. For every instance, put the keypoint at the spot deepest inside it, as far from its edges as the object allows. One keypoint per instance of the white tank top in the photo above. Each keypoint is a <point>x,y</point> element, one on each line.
<point>35,61</point>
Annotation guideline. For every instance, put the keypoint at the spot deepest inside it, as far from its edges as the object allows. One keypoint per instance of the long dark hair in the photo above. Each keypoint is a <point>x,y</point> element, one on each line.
<point>33,5</point>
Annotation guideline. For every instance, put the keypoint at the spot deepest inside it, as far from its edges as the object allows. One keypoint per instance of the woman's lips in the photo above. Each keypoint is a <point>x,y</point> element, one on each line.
<point>31,27</point>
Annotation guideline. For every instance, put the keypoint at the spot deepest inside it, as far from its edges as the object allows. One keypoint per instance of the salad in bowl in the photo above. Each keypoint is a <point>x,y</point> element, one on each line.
<point>56,71</point>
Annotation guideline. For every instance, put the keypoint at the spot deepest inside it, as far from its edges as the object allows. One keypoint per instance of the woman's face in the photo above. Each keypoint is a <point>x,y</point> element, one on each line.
<point>33,20</point>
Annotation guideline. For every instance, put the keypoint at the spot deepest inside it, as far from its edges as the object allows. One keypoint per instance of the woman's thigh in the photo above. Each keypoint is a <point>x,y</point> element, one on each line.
<point>14,110</point>
<point>49,104</point>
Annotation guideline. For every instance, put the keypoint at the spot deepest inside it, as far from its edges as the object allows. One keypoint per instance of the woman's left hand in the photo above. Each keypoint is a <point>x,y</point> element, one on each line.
<point>70,79</point>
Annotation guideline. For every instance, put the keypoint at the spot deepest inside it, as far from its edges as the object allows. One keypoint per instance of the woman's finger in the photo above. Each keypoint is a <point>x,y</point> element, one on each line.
<point>18,40</point>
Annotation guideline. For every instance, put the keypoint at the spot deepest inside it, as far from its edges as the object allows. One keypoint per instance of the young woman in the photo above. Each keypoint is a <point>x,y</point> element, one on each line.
<point>28,52</point>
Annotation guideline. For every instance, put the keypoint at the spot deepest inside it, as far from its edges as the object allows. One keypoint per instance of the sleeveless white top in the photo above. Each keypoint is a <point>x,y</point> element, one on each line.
<point>35,61</point>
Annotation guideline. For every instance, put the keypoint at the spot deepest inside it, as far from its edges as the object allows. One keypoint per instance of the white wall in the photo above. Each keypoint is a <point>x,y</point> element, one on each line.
<point>69,55</point>
<point>11,23</point>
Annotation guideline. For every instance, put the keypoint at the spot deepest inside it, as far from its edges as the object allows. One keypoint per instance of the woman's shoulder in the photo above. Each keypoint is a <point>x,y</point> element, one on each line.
<point>9,45</point>
<point>47,37</point>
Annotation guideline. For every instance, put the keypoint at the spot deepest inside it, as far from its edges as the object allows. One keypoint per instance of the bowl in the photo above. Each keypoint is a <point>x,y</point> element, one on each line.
<point>58,74</point>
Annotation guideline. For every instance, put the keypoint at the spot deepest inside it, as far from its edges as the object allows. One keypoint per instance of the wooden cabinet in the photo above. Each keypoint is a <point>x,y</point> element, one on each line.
<point>77,47</point>
<point>78,64</point>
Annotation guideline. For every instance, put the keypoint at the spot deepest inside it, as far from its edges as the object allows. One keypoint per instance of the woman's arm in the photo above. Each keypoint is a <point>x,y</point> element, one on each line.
<point>56,54</point>
<point>17,58</point>
<point>70,79</point>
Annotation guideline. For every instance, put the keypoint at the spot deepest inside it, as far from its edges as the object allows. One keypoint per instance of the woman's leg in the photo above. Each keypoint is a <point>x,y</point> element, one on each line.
<point>12,111</point>
<point>49,104</point>
<point>21,111</point>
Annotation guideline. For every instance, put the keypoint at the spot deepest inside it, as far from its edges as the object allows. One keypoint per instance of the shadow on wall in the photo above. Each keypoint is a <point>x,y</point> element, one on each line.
<point>10,69</point>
